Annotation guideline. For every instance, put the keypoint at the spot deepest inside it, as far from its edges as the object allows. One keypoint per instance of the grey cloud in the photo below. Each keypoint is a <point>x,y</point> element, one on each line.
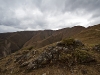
<point>47,14</point>
<point>88,5</point>
<point>4,28</point>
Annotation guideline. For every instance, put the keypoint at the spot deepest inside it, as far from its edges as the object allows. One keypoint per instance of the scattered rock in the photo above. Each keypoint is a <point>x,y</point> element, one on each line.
<point>97,48</point>
<point>24,64</point>
<point>32,66</point>
<point>44,74</point>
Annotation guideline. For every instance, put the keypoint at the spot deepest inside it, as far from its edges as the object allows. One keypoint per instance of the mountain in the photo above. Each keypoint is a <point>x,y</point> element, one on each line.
<point>11,42</point>
<point>69,56</point>
<point>90,35</point>
<point>66,51</point>
<point>54,37</point>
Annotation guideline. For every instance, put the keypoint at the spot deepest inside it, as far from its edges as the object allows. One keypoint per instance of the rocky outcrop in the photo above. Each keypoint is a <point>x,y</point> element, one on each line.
<point>67,53</point>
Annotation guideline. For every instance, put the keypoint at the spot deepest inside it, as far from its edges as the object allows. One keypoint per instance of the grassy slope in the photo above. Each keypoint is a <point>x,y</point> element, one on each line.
<point>35,38</point>
<point>90,36</point>
<point>11,68</point>
<point>56,36</point>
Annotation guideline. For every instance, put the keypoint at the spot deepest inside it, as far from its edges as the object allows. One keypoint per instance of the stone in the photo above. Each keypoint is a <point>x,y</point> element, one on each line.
<point>44,74</point>
<point>78,43</point>
<point>40,59</point>
<point>24,64</point>
<point>60,48</point>
<point>65,49</point>
<point>50,56</point>
<point>60,44</point>
<point>31,66</point>
<point>97,48</point>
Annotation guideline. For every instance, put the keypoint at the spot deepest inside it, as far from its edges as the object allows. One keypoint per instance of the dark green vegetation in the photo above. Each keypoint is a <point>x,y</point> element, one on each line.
<point>67,51</point>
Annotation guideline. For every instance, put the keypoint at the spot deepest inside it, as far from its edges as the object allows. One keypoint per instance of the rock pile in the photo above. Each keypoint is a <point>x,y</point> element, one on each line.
<point>21,58</point>
<point>51,54</point>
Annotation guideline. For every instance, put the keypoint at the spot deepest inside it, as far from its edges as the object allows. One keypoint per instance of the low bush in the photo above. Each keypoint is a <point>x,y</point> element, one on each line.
<point>68,42</point>
<point>77,56</point>
<point>81,56</point>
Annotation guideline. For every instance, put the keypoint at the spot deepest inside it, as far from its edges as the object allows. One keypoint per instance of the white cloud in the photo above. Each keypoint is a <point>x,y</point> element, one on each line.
<point>20,13</point>
<point>8,28</point>
<point>47,14</point>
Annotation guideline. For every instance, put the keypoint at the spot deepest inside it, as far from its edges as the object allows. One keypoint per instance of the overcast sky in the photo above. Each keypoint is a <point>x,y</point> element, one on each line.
<point>21,15</point>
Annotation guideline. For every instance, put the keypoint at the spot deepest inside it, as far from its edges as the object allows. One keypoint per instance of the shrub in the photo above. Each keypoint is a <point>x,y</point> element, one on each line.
<point>76,56</point>
<point>64,57</point>
<point>68,42</point>
<point>97,48</point>
<point>82,56</point>
<point>67,59</point>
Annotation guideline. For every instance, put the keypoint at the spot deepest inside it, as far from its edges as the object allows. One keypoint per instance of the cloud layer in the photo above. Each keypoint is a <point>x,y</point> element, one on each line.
<point>19,15</point>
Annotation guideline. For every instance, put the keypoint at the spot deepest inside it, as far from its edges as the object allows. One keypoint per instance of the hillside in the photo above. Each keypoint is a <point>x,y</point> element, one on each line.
<point>90,35</point>
<point>11,42</point>
<point>52,52</point>
<point>66,57</point>
<point>56,36</point>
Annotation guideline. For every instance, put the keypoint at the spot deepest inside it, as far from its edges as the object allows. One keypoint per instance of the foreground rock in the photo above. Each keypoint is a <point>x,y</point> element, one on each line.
<point>68,55</point>
<point>97,48</point>
<point>67,52</point>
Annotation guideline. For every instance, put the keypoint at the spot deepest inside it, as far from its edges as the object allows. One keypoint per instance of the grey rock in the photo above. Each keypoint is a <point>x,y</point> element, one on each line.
<point>24,64</point>
<point>50,55</point>
<point>97,48</point>
<point>31,66</point>
<point>78,43</point>
<point>44,74</point>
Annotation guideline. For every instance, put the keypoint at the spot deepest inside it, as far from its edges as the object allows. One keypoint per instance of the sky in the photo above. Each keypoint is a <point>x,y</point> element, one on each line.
<point>24,15</point>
